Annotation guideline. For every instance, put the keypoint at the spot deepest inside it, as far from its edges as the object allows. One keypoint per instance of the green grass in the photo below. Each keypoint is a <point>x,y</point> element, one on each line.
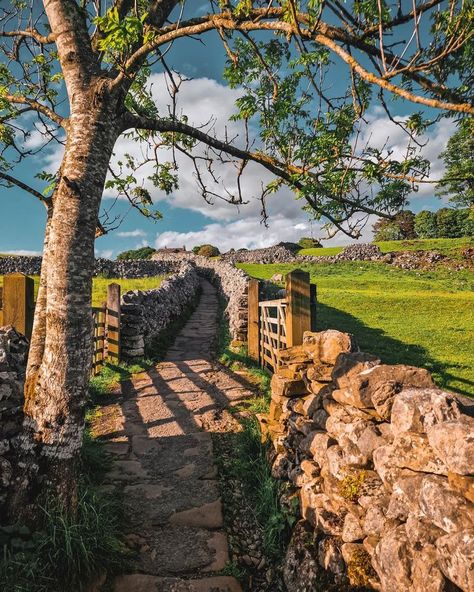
<point>321,252</point>
<point>447,246</point>
<point>99,286</point>
<point>413,317</point>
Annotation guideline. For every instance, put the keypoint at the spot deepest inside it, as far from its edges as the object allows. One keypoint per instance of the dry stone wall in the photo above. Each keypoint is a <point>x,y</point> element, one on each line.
<point>146,313</point>
<point>13,355</point>
<point>382,463</point>
<point>134,268</point>
<point>231,282</point>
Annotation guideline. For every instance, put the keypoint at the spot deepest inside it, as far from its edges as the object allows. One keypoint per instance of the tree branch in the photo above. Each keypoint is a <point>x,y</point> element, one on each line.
<point>325,34</point>
<point>46,201</point>
<point>39,107</point>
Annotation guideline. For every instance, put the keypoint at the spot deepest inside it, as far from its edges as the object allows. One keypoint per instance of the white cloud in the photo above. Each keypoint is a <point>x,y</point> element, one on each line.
<point>22,252</point>
<point>104,253</point>
<point>131,233</point>
<point>209,104</point>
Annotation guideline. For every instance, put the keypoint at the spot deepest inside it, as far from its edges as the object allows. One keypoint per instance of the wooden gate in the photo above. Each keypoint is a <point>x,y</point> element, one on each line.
<point>272,331</point>
<point>274,325</point>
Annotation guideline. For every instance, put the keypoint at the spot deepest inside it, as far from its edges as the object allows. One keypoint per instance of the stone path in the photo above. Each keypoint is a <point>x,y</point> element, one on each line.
<point>160,435</point>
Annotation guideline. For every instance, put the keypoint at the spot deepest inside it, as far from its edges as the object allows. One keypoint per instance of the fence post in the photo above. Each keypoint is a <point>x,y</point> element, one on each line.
<point>18,302</point>
<point>253,334</point>
<point>298,315</point>
<point>313,301</point>
<point>113,323</point>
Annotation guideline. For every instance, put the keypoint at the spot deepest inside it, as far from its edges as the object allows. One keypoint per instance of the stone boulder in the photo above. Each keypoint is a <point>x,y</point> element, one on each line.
<point>326,346</point>
<point>453,442</point>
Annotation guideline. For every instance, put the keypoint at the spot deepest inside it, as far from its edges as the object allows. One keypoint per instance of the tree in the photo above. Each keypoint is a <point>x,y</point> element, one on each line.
<point>141,253</point>
<point>208,251</point>
<point>401,227</point>
<point>81,69</point>
<point>458,180</point>
<point>309,243</point>
<point>425,224</point>
<point>448,223</point>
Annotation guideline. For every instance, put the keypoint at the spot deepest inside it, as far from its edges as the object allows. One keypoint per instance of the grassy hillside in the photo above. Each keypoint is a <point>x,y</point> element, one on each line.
<point>446,246</point>
<point>420,318</point>
<point>99,287</point>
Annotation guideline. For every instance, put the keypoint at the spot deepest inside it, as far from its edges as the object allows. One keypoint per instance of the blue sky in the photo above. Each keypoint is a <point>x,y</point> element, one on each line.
<point>187,219</point>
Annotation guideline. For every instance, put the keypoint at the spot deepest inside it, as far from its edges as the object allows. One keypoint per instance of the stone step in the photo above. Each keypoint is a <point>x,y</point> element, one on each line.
<point>146,583</point>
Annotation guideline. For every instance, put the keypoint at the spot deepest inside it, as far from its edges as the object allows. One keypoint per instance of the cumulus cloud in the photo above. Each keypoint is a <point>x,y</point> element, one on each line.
<point>131,233</point>
<point>209,104</point>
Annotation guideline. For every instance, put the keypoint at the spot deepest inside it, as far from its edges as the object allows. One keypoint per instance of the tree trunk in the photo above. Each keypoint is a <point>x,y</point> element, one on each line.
<point>59,364</point>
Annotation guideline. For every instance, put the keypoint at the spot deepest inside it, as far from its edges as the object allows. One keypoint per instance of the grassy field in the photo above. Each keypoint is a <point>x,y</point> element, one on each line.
<point>446,246</point>
<point>99,287</point>
<point>412,317</point>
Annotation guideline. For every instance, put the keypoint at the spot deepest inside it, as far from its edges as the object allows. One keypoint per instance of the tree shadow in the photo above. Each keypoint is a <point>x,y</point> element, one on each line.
<point>390,350</point>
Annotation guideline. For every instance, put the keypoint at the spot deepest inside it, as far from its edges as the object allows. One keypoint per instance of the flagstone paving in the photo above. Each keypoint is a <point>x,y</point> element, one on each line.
<point>159,433</point>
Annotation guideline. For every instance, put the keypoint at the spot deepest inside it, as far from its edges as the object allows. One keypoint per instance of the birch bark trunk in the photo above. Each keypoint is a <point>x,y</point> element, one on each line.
<point>61,349</point>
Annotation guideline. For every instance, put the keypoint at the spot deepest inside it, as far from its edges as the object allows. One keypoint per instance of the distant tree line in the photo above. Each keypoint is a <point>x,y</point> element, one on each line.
<point>445,223</point>
<point>142,253</point>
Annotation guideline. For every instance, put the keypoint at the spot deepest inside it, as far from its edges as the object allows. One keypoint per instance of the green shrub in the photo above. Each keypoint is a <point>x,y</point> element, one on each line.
<point>309,243</point>
<point>208,251</point>
<point>142,253</point>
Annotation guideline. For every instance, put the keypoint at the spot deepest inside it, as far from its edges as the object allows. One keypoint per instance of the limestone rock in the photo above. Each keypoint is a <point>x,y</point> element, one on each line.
<point>421,532</point>
<point>377,386</point>
<point>351,364</point>
<point>404,501</point>
<point>456,558</point>
<point>462,484</point>
<point>352,530</point>
<point>412,451</point>
<point>416,409</point>
<point>453,441</point>
<point>444,507</point>
<point>318,443</point>
<point>285,387</point>
<point>393,561</point>
<point>426,574</point>
<point>325,347</point>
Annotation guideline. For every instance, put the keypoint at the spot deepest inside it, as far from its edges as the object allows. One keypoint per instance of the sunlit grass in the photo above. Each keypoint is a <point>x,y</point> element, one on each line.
<point>447,246</point>
<point>99,286</point>
<point>412,317</point>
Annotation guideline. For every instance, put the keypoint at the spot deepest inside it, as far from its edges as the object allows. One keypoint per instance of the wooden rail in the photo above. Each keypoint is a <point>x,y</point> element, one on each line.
<point>272,331</point>
<point>274,325</point>
<point>17,309</point>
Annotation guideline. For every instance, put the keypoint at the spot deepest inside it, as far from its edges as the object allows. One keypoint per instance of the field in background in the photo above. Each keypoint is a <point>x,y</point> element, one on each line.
<point>446,246</point>
<point>412,317</point>
<point>99,286</point>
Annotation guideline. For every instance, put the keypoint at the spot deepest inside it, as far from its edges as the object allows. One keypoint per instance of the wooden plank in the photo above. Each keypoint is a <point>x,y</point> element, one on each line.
<point>18,302</point>
<point>253,334</point>
<point>298,315</point>
<point>272,303</point>
<point>113,323</point>
<point>313,300</point>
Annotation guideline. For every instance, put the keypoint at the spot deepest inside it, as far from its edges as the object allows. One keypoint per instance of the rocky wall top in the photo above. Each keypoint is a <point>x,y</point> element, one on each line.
<point>382,463</point>
<point>133,268</point>
<point>146,313</point>
<point>231,282</point>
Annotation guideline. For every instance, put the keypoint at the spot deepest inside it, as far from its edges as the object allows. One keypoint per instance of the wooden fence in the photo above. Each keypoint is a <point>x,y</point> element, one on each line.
<point>277,324</point>
<point>17,307</point>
